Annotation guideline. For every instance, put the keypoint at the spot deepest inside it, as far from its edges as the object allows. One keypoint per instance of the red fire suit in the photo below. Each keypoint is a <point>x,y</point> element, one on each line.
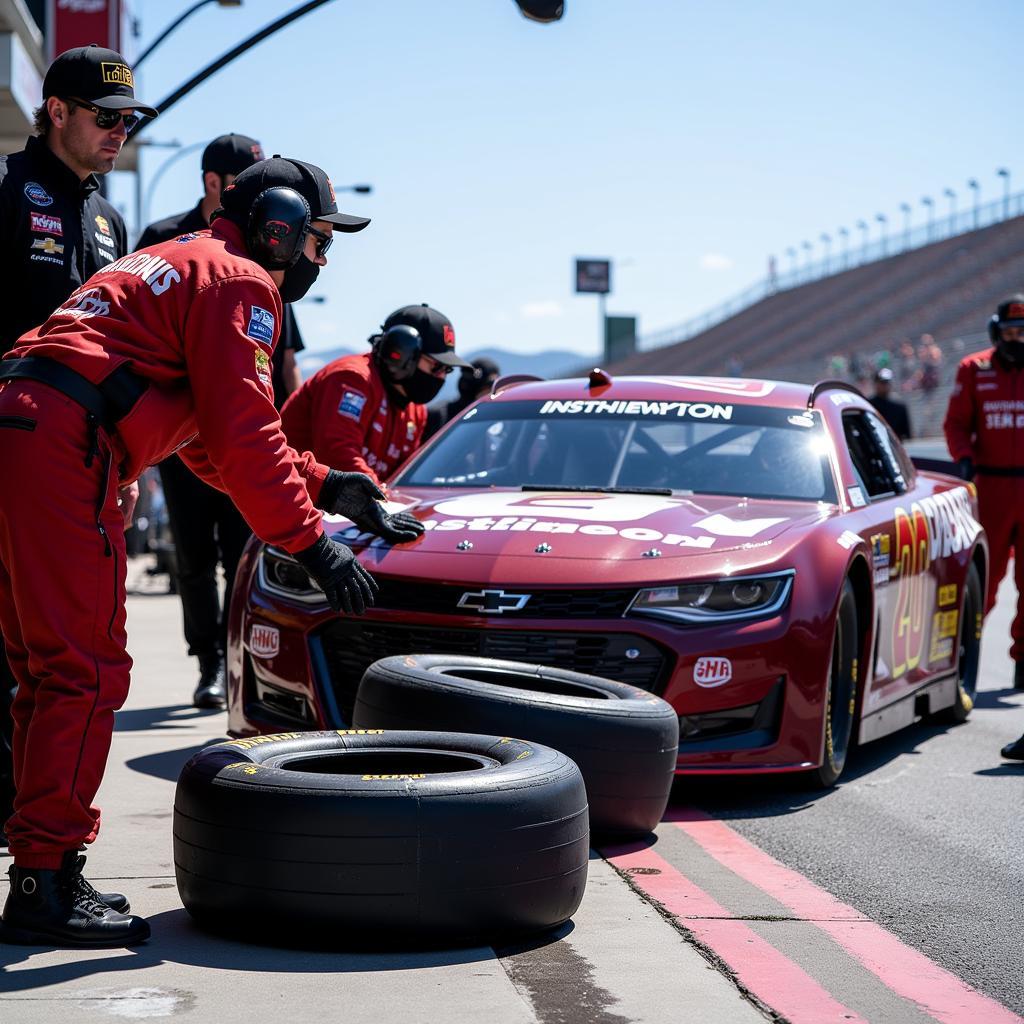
<point>344,416</point>
<point>197,321</point>
<point>985,422</point>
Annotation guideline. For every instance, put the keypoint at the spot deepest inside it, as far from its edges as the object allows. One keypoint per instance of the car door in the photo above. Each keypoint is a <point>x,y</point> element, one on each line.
<point>897,532</point>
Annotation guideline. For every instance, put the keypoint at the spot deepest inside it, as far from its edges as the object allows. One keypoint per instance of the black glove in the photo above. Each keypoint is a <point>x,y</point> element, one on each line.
<point>348,586</point>
<point>965,468</point>
<point>355,496</point>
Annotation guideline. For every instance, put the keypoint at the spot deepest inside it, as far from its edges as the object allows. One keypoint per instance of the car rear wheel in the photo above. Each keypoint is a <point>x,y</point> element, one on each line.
<point>624,739</point>
<point>841,695</point>
<point>968,655</point>
<point>366,836</point>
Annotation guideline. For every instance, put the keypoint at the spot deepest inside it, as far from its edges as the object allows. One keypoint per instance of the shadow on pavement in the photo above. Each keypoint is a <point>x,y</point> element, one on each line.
<point>997,699</point>
<point>167,764</point>
<point>171,716</point>
<point>1014,768</point>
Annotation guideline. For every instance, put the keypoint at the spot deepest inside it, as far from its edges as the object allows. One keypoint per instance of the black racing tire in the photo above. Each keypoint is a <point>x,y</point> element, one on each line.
<point>841,696</point>
<point>969,654</point>
<point>363,837</point>
<point>624,739</point>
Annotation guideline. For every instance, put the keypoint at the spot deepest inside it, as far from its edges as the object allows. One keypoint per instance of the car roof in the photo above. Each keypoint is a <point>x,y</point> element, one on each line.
<point>602,386</point>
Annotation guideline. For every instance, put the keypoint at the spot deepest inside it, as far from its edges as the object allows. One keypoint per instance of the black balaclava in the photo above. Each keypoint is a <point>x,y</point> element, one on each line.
<point>421,387</point>
<point>298,279</point>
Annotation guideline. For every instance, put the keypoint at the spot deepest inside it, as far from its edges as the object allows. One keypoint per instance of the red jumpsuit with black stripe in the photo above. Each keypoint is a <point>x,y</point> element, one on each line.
<point>345,417</point>
<point>198,321</point>
<point>985,422</point>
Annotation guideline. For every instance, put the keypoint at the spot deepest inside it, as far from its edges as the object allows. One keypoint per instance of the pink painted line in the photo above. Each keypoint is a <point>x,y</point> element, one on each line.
<point>907,972</point>
<point>770,975</point>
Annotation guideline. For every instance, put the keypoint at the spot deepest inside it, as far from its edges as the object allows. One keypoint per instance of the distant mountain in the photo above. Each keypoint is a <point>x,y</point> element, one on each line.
<point>549,365</point>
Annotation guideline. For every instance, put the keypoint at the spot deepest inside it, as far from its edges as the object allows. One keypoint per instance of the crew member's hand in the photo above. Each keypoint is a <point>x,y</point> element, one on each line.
<point>127,497</point>
<point>965,468</point>
<point>357,497</point>
<point>347,585</point>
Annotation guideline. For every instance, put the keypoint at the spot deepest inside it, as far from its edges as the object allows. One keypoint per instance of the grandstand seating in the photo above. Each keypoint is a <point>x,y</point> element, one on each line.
<point>947,289</point>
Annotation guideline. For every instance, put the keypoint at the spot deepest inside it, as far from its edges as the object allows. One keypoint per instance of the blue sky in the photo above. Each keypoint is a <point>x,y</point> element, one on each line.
<point>686,141</point>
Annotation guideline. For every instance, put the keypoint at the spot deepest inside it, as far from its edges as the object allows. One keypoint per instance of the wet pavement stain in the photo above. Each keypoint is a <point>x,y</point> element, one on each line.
<point>558,983</point>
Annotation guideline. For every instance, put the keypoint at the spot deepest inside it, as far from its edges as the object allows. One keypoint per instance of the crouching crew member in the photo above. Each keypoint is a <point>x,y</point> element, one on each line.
<point>367,412</point>
<point>164,348</point>
<point>984,429</point>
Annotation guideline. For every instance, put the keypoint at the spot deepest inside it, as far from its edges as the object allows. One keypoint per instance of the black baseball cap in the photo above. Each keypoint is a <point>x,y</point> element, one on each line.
<point>883,375</point>
<point>231,154</point>
<point>308,180</point>
<point>97,75</point>
<point>484,368</point>
<point>1011,312</point>
<point>437,336</point>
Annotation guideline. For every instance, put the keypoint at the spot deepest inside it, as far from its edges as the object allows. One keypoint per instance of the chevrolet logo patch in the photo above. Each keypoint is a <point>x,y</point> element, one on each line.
<point>48,245</point>
<point>493,602</point>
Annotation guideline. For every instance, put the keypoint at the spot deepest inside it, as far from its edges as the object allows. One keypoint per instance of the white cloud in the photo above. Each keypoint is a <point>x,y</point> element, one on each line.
<point>539,310</point>
<point>715,261</point>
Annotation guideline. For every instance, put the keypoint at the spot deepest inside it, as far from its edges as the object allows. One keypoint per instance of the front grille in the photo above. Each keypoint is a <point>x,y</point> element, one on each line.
<point>350,647</point>
<point>443,599</point>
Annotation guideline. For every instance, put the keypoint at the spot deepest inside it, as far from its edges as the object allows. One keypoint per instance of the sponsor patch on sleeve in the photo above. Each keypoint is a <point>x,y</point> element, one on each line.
<point>263,367</point>
<point>352,403</point>
<point>261,325</point>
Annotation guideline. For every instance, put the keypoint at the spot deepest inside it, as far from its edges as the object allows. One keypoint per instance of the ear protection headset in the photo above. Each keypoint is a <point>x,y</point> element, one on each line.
<point>398,350</point>
<point>993,329</point>
<point>277,228</point>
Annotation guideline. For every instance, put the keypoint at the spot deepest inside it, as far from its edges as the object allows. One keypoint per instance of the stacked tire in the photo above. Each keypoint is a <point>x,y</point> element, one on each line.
<point>625,740</point>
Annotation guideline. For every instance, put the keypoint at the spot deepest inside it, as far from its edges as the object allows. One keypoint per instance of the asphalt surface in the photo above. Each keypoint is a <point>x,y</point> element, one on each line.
<point>924,834</point>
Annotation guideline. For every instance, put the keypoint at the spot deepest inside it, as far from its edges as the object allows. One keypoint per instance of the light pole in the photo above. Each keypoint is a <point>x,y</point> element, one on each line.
<point>863,225</point>
<point>807,247</point>
<point>792,254</point>
<point>976,189</point>
<point>826,241</point>
<point>951,196</point>
<point>884,221</point>
<point>844,234</point>
<point>177,21</point>
<point>928,202</point>
<point>1005,175</point>
<point>905,207</point>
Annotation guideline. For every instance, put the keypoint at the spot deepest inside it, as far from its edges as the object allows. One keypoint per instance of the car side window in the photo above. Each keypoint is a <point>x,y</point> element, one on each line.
<point>873,455</point>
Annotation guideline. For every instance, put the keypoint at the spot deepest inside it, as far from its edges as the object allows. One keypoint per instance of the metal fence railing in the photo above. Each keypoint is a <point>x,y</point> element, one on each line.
<point>891,243</point>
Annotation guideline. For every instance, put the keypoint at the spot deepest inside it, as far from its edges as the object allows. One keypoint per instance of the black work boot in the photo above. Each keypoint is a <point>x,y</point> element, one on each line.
<point>1014,751</point>
<point>210,690</point>
<point>48,908</point>
<point>84,888</point>
<point>1018,675</point>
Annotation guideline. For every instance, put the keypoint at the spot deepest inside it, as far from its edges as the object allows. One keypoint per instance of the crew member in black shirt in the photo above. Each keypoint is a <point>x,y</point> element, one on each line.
<point>894,413</point>
<point>57,229</point>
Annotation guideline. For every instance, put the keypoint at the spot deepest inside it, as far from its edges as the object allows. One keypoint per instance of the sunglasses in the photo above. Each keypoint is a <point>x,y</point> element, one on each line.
<point>433,367</point>
<point>323,241</point>
<point>107,119</point>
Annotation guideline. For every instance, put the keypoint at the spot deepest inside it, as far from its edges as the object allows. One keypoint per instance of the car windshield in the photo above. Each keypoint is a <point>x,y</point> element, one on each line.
<point>692,447</point>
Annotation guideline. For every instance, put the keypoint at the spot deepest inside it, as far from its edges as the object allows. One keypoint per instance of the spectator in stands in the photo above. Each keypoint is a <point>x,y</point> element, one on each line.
<point>984,430</point>
<point>907,366</point>
<point>734,366</point>
<point>895,413</point>
<point>930,357</point>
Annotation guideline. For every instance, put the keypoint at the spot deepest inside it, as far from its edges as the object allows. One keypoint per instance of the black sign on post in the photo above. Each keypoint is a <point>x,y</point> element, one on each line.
<point>594,276</point>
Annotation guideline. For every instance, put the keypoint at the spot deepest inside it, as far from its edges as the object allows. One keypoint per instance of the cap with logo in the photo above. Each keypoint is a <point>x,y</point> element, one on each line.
<point>884,375</point>
<point>231,154</point>
<point>1011,312</point>
<point>308,180</point>
<point>437,336</point>
<point>97,75</point>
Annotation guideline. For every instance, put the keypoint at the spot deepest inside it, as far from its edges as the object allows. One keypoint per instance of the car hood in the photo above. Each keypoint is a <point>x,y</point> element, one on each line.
<point>513,526</point>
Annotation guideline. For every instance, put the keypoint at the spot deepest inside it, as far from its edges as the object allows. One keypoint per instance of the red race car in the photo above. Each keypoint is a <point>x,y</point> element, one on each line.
<point>765,556</point>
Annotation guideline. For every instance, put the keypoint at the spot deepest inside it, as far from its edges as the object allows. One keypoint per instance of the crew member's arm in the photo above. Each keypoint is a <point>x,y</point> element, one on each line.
<point>959,425</point>
<point>229,335</point>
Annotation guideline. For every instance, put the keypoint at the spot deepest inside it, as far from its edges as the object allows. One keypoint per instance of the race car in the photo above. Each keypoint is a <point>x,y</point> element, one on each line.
<point>763,555</point>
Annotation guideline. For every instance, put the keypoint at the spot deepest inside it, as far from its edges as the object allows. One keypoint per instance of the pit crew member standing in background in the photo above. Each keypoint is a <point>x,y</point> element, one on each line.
<point>206,526</point>
<point>984,430</point>
<point>367,412</point>
<point>166,347</point>
<point>474,383</point>
<point>57,229</point>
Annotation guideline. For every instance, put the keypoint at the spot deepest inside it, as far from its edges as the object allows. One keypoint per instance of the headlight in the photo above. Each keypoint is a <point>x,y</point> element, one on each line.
<point>703,603</point>
<point>280,574</point>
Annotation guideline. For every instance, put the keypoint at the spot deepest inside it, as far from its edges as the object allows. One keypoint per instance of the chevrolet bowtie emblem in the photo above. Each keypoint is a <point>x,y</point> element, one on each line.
<point>493,602</point>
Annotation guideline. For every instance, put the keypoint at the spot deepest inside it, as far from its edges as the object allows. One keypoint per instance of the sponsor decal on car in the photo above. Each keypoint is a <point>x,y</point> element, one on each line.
<point>725,526</point>
<point>261,325</point>
<point>947,595</point>
<point>843,398</point>
<point>189,236</point>
<point>595,508</point>
<point>264,641</point>
<point>856,496</point>
<point>594,406</point>
<point>715,385</point>
<point>35,193</point>
<point>712,672</point>
<point>847,539</point>
<point>351,405</point>
<point>944,629</point>
<point>881,557</point>
<point>46,223</point>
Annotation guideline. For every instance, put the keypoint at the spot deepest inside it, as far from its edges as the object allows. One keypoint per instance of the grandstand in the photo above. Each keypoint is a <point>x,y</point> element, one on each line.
<point>945,288</point>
